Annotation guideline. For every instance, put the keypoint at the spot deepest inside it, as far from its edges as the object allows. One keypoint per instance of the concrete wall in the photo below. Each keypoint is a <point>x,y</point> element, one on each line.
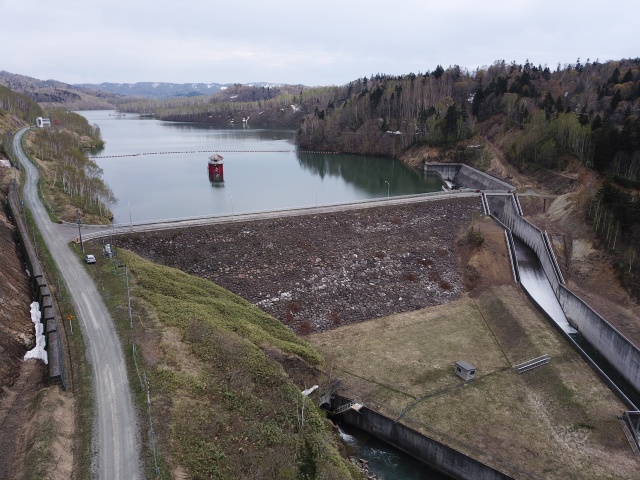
<point>436,454</point>
<point>623,355</point>
<point>49,316</point>
<point>504,209</point>
<point>446,171</point>
<point>466,176</point>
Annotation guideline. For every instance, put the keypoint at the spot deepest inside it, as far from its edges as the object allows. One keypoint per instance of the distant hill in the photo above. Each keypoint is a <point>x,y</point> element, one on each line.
<point>159,90</point>
<point>105,95</point>
<point>164,90</point>
<point>52,93</point>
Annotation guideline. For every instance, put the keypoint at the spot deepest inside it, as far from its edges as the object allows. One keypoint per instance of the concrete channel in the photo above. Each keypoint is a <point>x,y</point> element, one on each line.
<point>579,323</point>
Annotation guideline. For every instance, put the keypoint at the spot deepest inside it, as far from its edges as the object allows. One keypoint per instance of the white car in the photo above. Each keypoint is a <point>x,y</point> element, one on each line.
<point>90,259</point>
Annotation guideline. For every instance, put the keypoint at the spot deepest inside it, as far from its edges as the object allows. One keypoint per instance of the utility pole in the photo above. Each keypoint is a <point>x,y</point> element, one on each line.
<point>126,273</point>
<point>79,230</point>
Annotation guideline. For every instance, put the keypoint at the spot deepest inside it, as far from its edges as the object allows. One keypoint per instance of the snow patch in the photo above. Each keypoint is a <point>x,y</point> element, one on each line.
<point>309,391</point>
<point>39,351</point>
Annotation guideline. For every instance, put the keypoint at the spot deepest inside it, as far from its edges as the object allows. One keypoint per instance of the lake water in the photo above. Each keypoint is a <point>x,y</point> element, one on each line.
<point>157,185</point>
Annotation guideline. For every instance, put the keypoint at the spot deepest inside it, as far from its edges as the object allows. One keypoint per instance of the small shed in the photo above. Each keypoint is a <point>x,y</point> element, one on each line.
<point>465,370</point>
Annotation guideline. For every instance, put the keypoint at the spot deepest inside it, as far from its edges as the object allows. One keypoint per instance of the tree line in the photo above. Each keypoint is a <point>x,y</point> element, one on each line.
<point>18,105</point>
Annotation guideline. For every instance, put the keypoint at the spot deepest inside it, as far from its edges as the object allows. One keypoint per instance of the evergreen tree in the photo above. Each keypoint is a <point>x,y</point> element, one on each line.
<point>583,117</point>
<point>548,105</point>
<point>604,148</point>
<point>617,98</point>
<point>451,120</point>
<point>615,77</point>
<point>478,98</point>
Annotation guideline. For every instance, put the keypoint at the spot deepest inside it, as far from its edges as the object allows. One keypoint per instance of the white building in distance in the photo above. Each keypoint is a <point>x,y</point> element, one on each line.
<point>43,122</point>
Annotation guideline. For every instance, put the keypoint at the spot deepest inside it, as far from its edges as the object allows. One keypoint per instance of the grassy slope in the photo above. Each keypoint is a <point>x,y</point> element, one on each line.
<point>221,407</point>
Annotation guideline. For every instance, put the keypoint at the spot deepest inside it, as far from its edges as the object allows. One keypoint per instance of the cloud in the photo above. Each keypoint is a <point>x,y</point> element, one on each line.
<point>293,42</point>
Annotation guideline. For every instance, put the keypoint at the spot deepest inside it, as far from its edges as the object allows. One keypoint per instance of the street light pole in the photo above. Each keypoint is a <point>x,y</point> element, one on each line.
<point>388,186</point>
<point>130,222</point>
<point>126,274</point>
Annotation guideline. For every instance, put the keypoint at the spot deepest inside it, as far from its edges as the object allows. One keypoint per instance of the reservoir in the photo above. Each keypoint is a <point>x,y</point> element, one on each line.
<point>158,170</point>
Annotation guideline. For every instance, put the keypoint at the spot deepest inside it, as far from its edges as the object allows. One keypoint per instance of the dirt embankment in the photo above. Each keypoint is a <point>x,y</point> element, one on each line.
<point>18,380</point>
<point>16,328</point>
<point>36,420</point>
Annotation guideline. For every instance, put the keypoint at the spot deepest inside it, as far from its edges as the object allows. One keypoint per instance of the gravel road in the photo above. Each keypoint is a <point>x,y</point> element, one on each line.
<point>116,430</point>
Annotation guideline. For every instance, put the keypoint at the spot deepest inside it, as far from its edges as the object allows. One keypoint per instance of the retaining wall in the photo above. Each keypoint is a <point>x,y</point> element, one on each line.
<point>430,451</point>
<point>623,355</point>
<point>49,316</point>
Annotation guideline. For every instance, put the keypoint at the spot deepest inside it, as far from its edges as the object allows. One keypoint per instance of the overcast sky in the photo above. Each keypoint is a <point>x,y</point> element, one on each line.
<point>328,42</point>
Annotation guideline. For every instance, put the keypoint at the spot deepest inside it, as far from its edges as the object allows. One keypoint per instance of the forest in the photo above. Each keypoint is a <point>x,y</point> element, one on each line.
<point>14,108</point>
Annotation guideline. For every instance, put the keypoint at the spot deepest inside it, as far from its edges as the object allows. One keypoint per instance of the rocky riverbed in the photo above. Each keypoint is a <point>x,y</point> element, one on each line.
<point>320,271</point>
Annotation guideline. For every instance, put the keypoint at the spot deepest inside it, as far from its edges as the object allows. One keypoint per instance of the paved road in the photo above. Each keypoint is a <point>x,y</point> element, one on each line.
<point>115,428</point>
<point>99,231</point>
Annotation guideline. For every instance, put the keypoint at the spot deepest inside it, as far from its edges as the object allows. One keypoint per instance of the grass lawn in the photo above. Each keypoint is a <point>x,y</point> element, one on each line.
<point>557,421</point>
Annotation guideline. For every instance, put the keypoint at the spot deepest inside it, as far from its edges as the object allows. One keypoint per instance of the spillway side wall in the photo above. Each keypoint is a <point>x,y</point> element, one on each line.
<point>436,454</point>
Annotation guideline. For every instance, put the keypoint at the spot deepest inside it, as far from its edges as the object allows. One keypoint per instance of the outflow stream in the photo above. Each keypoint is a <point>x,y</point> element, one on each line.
<point>385,461</point>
